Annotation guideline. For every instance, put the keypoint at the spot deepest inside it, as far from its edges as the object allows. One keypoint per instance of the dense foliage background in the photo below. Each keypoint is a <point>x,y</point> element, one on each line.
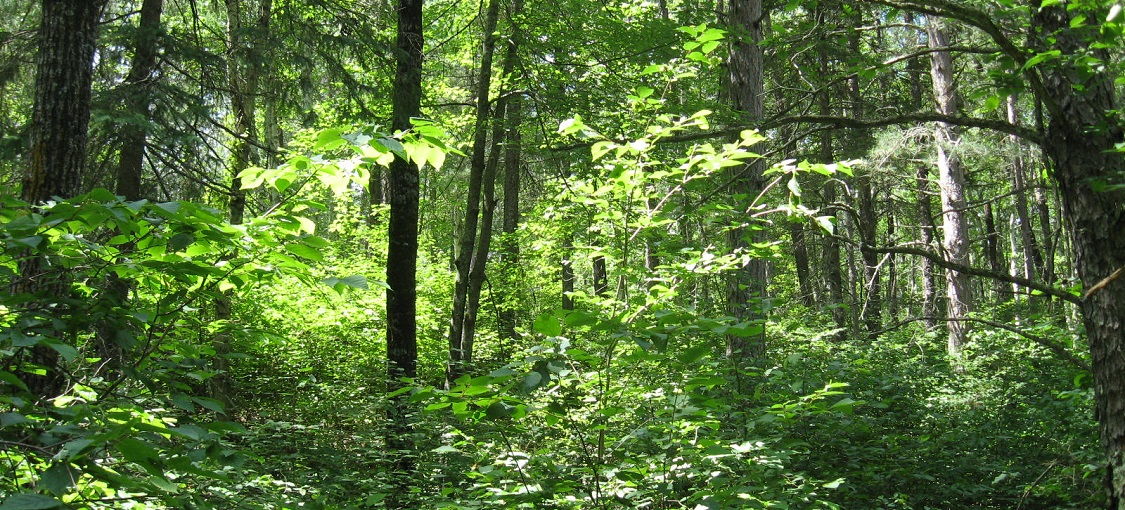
<point>669,255</point>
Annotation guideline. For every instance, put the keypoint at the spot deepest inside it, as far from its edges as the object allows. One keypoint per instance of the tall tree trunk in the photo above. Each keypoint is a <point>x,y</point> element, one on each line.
<point>509,245</point>
<point>746,90</point>
<point>1032,258</point>
<point>477,164</point>
<point>867,219</point>
<point>134,139</point>
<point>138,101</point>
<point>402,249</point>
<point>993,253</point>
<point>892,293</point>
<point>952,180</point>
<point>925,213</point>
<point>833,276</point>
<point>924,209</point>
<point>59,123</point>
<point>600,276</point>
<point>513,158</point>
<point>1080,142</point>
<point>242,80</point>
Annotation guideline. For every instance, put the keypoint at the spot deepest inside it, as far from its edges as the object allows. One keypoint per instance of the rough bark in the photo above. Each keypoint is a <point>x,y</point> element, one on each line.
<point>59,123</point>
<point>746,85</point>
<point>402,249</point>
<point>1080,145</point>
<point>955,240</point>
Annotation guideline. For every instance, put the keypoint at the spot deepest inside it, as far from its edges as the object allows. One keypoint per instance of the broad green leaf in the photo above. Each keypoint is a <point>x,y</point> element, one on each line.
<point>693,354</point>
<point>12,379</point>
<point>135,450</point>
<point>29,502</point>
<point>305,251</point>
<point>338,284</point>
<point>58,478</point>
<point>65,350</point>
<point>547,325</point>
<point>183,402</point>
<point>499,410</point>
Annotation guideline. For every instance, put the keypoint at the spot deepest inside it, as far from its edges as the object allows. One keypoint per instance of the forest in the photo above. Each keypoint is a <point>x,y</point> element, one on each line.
<point>660,254</point>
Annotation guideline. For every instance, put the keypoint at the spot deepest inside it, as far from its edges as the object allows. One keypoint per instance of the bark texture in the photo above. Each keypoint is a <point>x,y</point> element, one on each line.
<point>746,91</point>
<point>402,249</point>
<point>1080,141</point>
<point>59,123</point>
<point>951,178</point>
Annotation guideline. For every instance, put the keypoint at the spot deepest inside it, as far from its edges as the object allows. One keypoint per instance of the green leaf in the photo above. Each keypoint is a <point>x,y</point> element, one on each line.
<point>1042,57</point>
<point>547,325</point>
<point>30,502</point>
<point>794,187</point>
<point>135,450</point>
<point>992,103</point>
<point>210,403</point>
<point>694,354</point>
<point>499,410</point>
<point>66,351</point>
<point>183,402</point>
<point>10,378</point>
<point>305,251</point>
<point>356,281</point>
<point>58,478</point>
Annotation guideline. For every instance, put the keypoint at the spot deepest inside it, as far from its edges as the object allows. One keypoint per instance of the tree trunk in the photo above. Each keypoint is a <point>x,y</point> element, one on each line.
<point>477,164</point>
<point>513,157</point>
<point>1080,142</point>
<point>138,101</point>
<point>1032,258</point>
<point>993,253</point>
<point>566,271</point>
<point>509,243</point>
<point>952,179</point>
<point>868,221</point>
<point>59,122</point>
<point>600,276</point>
<point>402,250</point>
<point>924,209</point>
<point>134,139</point>
<point>746,90</point>
<point>925,213</point>
<point>891,293</point>
<point>833,276</point>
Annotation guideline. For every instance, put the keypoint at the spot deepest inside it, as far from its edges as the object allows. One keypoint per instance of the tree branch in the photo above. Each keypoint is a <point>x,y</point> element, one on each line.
<point>840,122</point>
<point>1059,350</point>
<point>975,271</point>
